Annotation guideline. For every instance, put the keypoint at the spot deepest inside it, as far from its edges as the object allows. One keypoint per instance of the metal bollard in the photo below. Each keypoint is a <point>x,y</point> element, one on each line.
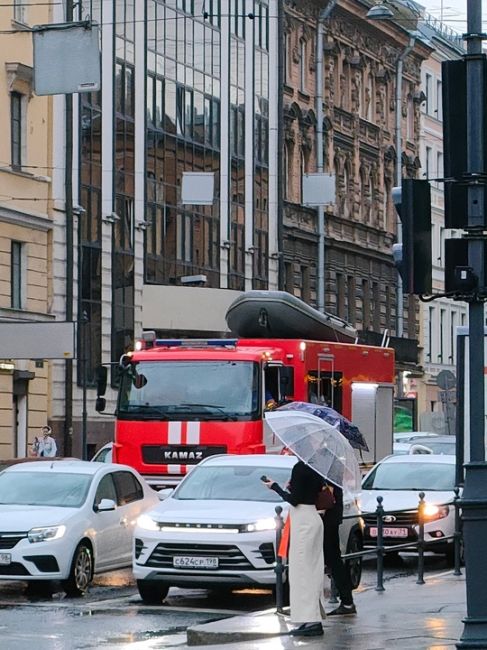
<point>380,545</point>
<point>421,505</point>
<point>279,569</point>
<point>457,539</point>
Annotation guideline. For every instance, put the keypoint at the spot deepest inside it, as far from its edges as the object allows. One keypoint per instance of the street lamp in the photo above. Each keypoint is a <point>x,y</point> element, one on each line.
<point>379,12</point>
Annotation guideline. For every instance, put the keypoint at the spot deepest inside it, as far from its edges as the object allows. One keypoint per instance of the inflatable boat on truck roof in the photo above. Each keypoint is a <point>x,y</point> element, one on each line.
<point>181,400</point>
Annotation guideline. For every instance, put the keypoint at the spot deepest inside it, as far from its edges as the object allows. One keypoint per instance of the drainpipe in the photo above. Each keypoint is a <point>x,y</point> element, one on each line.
<point>320,290</point>
<point>398,143</point>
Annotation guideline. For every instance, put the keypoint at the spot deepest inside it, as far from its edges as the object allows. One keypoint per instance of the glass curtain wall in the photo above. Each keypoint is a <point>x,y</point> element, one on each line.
<point>89,230</point>
<point>261,145</point>
<point>123,166</point>
<point>182,134</point>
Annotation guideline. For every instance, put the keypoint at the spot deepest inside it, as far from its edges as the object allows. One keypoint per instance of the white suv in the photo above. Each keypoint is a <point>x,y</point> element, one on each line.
<point>218,529</point>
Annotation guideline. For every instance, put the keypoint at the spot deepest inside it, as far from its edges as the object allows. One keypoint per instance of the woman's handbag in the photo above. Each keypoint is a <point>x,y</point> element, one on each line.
<point>325,499</point>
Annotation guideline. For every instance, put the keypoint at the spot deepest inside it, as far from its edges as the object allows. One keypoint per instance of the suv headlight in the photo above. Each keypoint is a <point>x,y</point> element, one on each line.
<point>45,534</point>
<point>262,524</point>
<point>147,523</point>
<point>431,512</point>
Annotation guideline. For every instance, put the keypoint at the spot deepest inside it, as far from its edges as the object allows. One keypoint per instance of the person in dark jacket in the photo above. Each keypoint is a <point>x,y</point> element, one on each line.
<point>332,518</point>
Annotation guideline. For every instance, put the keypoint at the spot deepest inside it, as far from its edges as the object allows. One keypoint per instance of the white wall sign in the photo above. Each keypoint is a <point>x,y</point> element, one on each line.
<point>198,188</point>
<point>318,189</point>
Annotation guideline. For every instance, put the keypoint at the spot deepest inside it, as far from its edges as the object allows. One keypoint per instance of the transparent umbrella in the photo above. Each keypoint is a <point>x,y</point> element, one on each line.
<point>318,444</point>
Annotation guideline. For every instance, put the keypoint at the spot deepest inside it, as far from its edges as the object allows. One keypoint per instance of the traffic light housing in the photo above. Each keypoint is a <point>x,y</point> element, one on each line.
<point>454,103</point>
<point>413,256</point>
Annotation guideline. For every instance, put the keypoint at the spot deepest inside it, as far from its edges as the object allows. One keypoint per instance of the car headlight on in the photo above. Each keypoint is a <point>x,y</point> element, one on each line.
<point>262,524</point>
<point>45,534</point>
<point>147,523</point>
<point>431,512</point>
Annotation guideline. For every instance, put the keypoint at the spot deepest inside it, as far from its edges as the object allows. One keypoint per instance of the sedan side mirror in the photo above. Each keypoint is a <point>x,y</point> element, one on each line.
<point>105,505</point>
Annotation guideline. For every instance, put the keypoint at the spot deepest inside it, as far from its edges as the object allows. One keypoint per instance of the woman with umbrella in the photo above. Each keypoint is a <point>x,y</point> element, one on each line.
<point>324,454</point>
<point>306,564</point>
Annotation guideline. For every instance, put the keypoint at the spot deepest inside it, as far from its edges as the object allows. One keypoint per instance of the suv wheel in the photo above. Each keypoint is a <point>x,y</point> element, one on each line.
<point>151,592</point>
<point>354,566</point>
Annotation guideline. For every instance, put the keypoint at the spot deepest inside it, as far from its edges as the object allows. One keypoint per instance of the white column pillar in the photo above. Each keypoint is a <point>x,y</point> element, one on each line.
<point>273,144</point>
<point>139,164</point>
<point>224,141</point>
<point>249,145</point>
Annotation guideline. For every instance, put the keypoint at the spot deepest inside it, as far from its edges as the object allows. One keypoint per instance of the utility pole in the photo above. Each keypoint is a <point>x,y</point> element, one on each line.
<point>68,211</point>
<point>474,500</point>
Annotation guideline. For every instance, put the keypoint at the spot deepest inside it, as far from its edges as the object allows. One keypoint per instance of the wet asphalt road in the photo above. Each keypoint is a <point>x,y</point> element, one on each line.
<point>112,615</point>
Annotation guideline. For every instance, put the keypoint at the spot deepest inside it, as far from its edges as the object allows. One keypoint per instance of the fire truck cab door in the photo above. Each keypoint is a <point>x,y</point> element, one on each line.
<point>277,384</point>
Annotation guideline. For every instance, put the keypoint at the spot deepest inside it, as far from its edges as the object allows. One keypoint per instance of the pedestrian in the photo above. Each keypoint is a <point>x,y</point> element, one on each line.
<point>306,563</point>
<point>47,447</point>
<point>332,519</point>
<point>36,447</point>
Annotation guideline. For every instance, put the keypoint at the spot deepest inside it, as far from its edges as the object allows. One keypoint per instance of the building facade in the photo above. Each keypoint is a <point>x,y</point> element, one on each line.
<point>360,68</point>
<point>26,226</point>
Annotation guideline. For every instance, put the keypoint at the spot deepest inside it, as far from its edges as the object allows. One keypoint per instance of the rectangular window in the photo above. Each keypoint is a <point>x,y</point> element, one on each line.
<point>341,295</point>
<point>442,333</point>
<point>16,275</point>
<point>453,334</point>
<point>439,101</point>
<point>429,154</point>
<point>431,314</point>
<point>16,130</point>
<point>429,94</point>
<point>20,11</point>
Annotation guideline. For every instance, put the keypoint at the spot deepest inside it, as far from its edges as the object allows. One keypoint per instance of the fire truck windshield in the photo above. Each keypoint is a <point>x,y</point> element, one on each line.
<point>185,390</point>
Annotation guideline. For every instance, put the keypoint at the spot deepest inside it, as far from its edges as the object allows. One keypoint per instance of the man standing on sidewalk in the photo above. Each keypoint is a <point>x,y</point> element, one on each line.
<point>332,518</point>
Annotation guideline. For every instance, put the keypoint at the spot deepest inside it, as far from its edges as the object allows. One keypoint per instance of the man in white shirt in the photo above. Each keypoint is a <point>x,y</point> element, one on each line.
<point>47,446</point>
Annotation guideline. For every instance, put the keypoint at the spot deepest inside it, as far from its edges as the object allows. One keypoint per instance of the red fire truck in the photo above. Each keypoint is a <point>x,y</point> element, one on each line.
<point>182,400</point>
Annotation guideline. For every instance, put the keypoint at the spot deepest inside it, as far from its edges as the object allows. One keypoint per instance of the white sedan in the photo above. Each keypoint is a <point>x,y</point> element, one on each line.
<point>398,480</point>
<point>218,528</point>
<point>67,520</point>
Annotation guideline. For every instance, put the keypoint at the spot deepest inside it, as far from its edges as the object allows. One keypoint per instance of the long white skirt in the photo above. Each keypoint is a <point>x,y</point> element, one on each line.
<point>306,565</point>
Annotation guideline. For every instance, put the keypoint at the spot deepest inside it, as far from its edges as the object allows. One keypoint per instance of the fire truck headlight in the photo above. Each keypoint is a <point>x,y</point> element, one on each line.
<point>262,524</point>
<point>147,523</point>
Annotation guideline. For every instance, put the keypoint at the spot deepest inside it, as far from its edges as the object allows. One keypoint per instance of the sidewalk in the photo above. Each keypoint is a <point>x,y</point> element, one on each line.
<point>406,616</point>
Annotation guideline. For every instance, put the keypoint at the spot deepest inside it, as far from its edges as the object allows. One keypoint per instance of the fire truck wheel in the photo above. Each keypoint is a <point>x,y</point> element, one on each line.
<point>354,567</point>
<point>152,593</point>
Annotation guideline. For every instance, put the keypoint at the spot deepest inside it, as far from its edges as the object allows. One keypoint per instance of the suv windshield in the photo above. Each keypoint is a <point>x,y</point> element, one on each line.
<point>44,489</point>
<point>237,483</point>
<point>184,390</point>
<point>411,476</point>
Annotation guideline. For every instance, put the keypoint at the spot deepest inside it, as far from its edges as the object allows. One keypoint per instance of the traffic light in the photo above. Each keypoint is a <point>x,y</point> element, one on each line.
<point>413,256</point>
<point>454,99</point>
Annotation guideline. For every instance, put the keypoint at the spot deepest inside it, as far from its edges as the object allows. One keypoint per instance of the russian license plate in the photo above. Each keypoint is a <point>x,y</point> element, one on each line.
<point>5,558</point>
<point>187,562</point>
<point>390,532</point>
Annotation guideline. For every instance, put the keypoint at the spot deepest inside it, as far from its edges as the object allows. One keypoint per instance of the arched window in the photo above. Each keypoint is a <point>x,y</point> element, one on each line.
<point>346,189</point>
<point>285,171</point>
<point>368,100</point>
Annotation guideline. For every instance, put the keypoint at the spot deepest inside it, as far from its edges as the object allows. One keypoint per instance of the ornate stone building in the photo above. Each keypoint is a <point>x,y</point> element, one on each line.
<point>359,107</point>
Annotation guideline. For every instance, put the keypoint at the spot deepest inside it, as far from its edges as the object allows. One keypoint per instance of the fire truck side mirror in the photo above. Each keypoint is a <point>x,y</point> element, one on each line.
<point>101,380</point>
<point>100,404</point>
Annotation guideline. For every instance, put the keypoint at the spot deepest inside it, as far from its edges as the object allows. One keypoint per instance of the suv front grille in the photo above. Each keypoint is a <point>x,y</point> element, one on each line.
<point>400,519</point>
<point>229,557</point>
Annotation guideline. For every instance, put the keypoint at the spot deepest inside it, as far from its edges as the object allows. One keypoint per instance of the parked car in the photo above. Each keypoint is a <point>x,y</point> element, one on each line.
<point>217,528</point>
<point>104,454</point>
<point>8,462</point>
<point>67,520</point>
<point>409,436</point>
<point>439,444</point>
<point>399,480</point>
<point>400,448</point>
